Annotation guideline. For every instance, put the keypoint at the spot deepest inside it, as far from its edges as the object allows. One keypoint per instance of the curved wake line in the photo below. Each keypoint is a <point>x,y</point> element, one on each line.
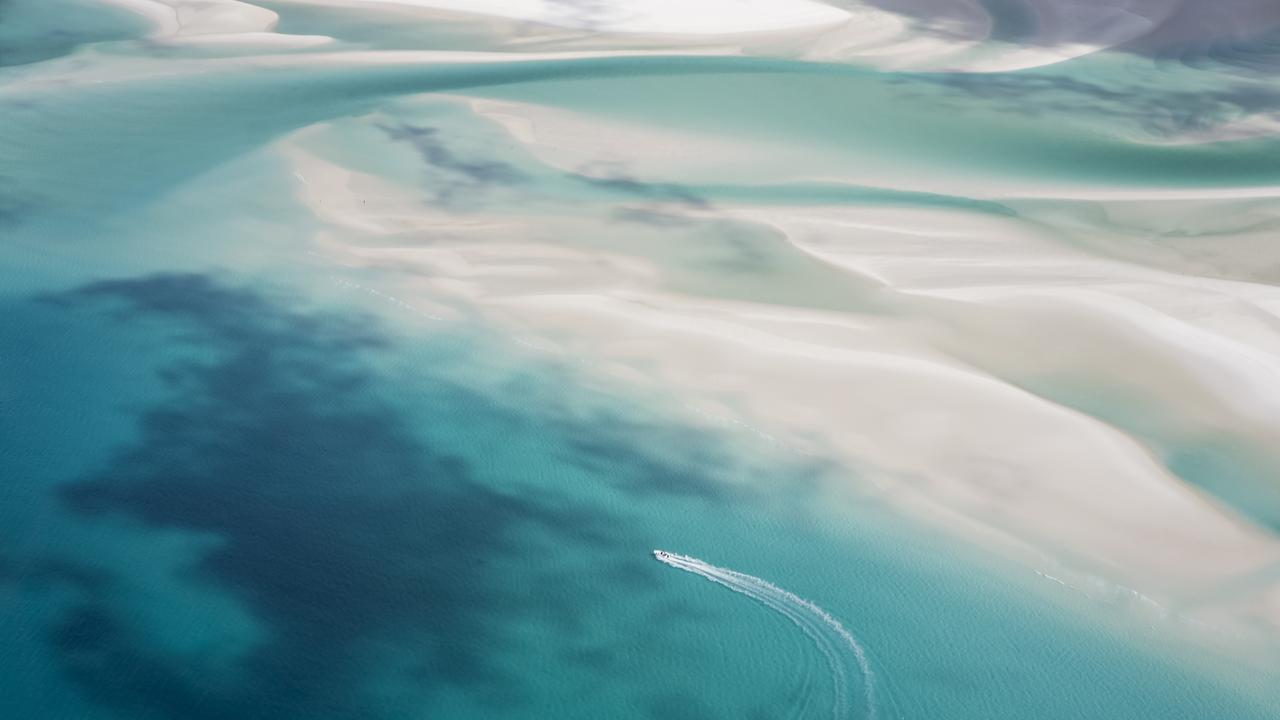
<point>832,639</point>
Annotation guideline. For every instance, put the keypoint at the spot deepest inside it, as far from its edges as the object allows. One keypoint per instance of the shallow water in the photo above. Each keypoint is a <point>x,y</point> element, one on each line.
<point>287,433</point>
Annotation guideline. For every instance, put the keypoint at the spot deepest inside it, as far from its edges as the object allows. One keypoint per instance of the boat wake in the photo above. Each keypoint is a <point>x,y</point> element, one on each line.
<point>833,640</point>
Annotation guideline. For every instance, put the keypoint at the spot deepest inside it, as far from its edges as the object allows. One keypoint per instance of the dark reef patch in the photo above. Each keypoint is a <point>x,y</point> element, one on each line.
<point>614,178</point>
<point>339,528</point>
<point>455,175</point>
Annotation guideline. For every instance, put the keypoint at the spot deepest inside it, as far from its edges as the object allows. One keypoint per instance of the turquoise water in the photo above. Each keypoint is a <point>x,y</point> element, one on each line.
<point>240,483</point>
<point>265,514</point>
<point>35,30</point>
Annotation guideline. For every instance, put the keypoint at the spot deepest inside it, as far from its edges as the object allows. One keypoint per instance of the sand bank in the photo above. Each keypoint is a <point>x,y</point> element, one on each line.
<point>927,381</point>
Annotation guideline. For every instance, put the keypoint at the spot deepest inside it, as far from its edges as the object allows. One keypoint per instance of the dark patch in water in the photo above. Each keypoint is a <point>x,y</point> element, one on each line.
<point>614,178</point>
<point>339,528</point>
<point>462,175</point>
<point>683,470</point>
<point>1160,112</point>
<point>649,216</point>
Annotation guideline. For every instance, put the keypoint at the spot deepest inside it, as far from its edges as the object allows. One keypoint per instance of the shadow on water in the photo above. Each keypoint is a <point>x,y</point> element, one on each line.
<point>614,178</point>
<point>453,175</point>
<point>1155,110</point>
<point>339,527</point>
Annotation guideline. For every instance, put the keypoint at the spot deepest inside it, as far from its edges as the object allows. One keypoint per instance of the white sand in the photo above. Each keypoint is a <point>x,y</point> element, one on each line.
<point>898,34</point>
<point>857,32</point>
<point>704,17</point>
<point>199,17</point>
<point>925,403</point>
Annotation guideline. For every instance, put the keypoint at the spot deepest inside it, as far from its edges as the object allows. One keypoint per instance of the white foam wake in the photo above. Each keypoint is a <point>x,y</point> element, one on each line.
<point>832,639</point>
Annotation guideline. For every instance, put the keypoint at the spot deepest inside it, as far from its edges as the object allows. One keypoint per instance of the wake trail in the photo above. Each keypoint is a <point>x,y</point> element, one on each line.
<point>831,638</point>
